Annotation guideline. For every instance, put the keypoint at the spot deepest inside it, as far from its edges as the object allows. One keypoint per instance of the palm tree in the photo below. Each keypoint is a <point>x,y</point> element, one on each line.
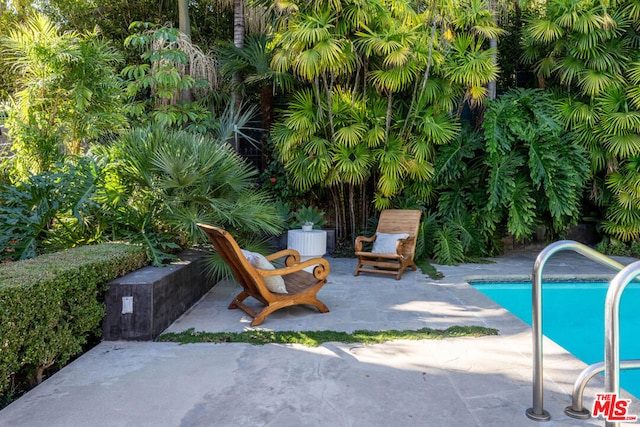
<point>68,91</point>
<point>253,63</point>
<point>381,84</point>
<point>162,183</point>
<point>590,51</point>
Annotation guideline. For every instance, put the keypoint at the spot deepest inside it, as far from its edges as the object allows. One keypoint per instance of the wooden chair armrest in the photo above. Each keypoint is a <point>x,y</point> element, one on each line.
<point>320,271</point>
<point>292,257</point>
<point>283,253</point>
<point>360,239</point>
<point>402,242</point>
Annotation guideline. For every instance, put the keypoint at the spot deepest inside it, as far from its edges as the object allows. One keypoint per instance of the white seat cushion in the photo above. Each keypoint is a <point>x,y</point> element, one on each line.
<point>273,283</point>
<point>385,243</point>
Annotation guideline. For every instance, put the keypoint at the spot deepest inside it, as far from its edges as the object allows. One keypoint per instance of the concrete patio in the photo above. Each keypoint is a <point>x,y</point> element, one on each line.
<point>453,382</point>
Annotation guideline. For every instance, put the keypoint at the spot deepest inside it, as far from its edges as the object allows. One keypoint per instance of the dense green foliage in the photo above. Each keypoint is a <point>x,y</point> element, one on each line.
<point>50,211</point>
<point>159,87</point>
<point>381,83</point>
<point>50,306</point>
<point>150,186</point>
<point>374,98</point>
<point>161,184</point>
<point>211,21</point>
<point>67,94</point>
<point>536,171</point>
<point>524,171</point>
<point>591,54</point>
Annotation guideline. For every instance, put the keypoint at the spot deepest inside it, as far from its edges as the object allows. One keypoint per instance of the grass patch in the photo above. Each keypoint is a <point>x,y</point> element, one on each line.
<point>433,273</point>
<point>429,269</point>
<point>316,338</point>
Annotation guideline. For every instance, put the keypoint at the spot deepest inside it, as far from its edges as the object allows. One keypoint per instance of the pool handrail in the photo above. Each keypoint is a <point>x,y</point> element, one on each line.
<point>612,330</point>
<point>577,409</point>
<point>537,411</point>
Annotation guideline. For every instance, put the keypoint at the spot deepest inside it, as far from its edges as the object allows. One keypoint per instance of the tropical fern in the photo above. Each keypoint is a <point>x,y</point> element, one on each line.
<point>448,248</point>
<point>541,173</point>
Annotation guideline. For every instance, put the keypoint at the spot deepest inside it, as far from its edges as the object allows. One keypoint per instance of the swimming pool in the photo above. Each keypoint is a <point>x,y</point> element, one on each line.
<point>573,317</point>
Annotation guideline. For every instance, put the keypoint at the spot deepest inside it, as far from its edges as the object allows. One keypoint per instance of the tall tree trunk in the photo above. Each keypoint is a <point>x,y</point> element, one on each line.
<point>266,107</point>
<point>492,85</point>
<point>183,18</point>
<point>389,114</point>
<point>184,24</point>
<point>493,44</point>
<point>336,209</point>
<point>343,210</point>
<point>238,23</point>
<point>352,213</point>
<point>238,41</point>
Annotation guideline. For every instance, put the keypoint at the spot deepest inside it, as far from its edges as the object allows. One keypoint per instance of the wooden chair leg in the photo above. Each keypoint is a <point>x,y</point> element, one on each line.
<point>260,317</point>
<point>237,301</point>
<point>357,271</point>
<point>257,320</point>
<point>320,306</point>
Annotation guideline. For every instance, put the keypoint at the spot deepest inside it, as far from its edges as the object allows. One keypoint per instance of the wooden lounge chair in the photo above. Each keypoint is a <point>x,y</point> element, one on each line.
<point>398,228</point>
<point>301,285</point>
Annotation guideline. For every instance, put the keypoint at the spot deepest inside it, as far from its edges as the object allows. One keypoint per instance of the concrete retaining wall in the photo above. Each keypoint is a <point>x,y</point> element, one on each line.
<point>141,304</point>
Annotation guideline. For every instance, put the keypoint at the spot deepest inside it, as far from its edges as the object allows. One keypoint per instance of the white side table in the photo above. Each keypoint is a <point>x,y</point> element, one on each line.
<point>310,244</point>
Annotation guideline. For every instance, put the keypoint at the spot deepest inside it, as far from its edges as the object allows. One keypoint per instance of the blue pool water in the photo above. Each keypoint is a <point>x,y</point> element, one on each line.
<point>573,317</point>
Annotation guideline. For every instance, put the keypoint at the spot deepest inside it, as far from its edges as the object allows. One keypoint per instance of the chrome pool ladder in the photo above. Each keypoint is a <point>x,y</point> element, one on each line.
<point>612,362</point>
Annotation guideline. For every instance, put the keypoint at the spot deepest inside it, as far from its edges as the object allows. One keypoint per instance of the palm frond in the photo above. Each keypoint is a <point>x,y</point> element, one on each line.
<point>351,135</point>
<point>353,163</point>
<point>623,145</point>
<point>438,128</point>
<point>397,78</point>
<point>595,82</point>
<point>419,170</point>
<point>544,30</point>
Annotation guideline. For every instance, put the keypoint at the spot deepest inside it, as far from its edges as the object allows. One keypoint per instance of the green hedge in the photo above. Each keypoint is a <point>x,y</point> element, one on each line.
<point>50,305</point>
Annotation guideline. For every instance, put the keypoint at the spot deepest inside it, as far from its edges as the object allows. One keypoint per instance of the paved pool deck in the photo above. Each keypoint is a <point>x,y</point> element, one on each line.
<point>455,382</point>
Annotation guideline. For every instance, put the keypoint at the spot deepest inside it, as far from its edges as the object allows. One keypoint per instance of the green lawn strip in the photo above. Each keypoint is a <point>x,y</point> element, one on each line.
<point>315,338</point>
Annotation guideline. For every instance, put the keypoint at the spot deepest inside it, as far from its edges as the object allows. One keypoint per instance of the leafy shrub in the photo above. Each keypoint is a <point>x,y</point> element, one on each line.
<point>611,246</point>
<point>68,92</point>
<point>160,184</point>
<point>522,172</point>
<point>151,186</point>
<point>536,170</point>
<point>278,182</point>
<point>158,87</point>
<point>48,210</point>
<point>452,228</point>
<point>50,305</point>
